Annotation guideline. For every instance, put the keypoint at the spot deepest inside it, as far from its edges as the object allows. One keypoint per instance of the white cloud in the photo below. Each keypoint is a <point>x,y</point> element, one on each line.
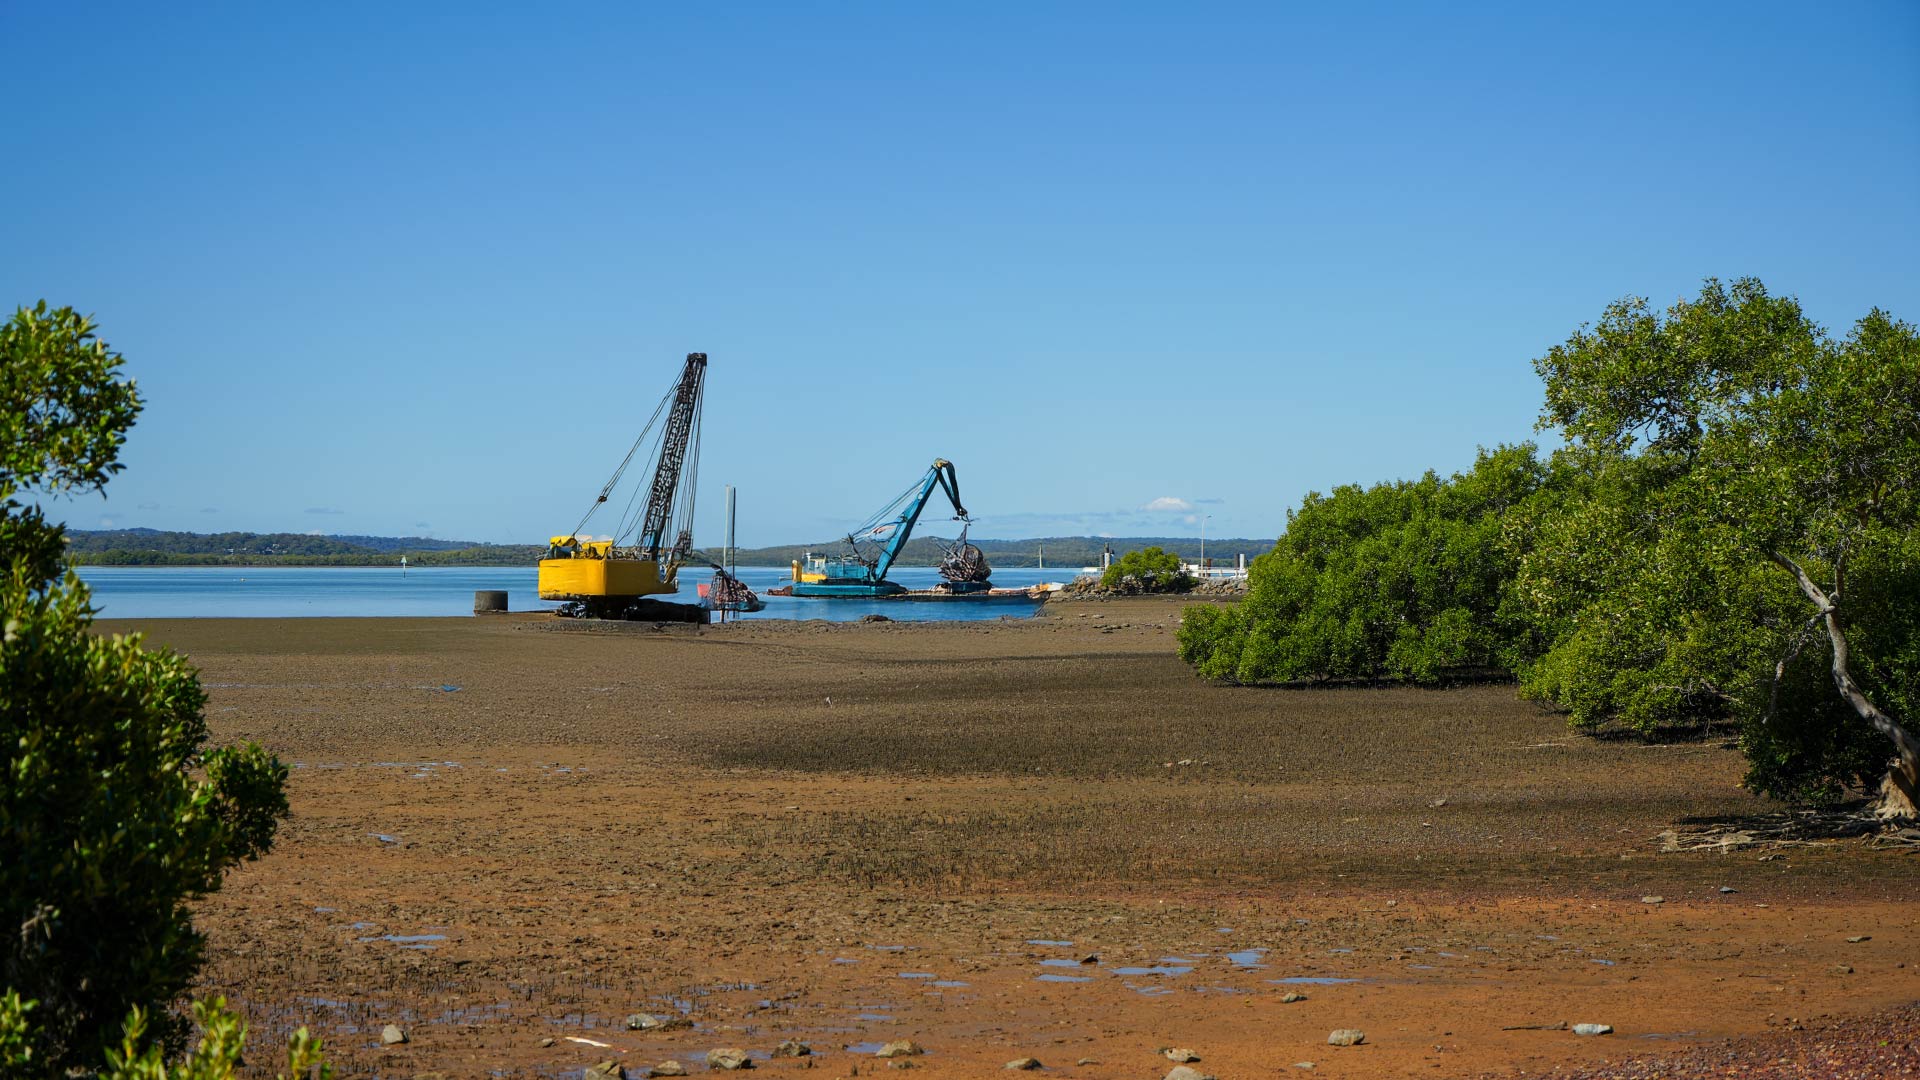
<point>1167,504</point>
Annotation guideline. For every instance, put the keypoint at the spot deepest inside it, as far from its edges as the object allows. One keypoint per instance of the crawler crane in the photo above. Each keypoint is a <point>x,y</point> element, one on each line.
<point>611,578</point>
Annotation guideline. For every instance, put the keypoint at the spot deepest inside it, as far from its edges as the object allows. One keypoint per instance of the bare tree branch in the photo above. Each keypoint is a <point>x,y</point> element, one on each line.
<point>1906,746</point>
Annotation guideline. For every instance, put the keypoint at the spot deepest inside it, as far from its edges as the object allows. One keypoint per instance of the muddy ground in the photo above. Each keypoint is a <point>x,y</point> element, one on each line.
<point>1026,838</point>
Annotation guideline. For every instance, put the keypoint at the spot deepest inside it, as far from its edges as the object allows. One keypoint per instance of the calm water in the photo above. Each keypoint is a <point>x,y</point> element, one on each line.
<point>136,592</point>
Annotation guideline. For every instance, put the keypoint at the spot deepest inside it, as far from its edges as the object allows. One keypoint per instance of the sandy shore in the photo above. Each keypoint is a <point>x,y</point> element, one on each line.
<point>1025,838</point>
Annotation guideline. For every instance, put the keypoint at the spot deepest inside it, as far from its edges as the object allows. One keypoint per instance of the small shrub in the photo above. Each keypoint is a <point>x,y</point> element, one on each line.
<point>223,1036</point>
<point>1149,570</point>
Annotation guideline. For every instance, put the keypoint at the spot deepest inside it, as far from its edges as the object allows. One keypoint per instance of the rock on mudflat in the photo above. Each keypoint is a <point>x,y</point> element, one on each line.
<point>793,1049</point>
<point>1653,899</point>
<point>900,1049</point>
<point>728,1058</point>
<point>1024,1064</point>
<point>1181,1054</point>
<point>606,1070</point>
<point>1184,1072</point>
<point>668,1068</point>
<point>1593,1029</point>
<point>650,1022</point>
<point>1292,996</point>
<point>391,1035</point>
<point>1347,1037</point>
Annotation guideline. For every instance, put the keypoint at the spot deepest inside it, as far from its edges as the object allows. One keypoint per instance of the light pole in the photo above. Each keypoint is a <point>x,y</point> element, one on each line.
<point>1203,542</point>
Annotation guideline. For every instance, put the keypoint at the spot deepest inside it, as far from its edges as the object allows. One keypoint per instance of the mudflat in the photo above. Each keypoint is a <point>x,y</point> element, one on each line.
<point>1037,838</point>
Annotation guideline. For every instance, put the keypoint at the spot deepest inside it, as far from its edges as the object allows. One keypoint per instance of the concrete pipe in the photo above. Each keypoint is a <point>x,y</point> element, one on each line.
<point>485,600</point>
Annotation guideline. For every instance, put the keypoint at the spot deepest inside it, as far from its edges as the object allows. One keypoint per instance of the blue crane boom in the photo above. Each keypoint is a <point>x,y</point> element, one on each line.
<point>941,475</point>
<point>855,576</point>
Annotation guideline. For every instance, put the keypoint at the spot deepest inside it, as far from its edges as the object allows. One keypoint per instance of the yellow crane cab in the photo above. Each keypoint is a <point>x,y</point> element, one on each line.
<point>589,570</point>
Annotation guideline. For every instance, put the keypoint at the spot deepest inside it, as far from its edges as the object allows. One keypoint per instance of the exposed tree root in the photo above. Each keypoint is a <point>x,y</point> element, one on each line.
<point>1791,828</point>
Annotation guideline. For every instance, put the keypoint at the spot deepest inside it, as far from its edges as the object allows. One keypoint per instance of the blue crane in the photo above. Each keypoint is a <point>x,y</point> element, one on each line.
<point>860,575</point>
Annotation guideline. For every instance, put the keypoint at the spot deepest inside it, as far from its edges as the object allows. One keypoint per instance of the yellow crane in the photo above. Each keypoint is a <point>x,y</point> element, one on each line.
<point>612,578</point>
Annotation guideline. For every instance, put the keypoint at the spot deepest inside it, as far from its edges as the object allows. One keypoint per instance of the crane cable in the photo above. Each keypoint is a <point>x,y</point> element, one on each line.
<point>624,462</point>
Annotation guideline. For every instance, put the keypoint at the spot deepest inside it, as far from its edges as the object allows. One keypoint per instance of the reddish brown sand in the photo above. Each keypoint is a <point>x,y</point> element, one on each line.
<point>851,834</point>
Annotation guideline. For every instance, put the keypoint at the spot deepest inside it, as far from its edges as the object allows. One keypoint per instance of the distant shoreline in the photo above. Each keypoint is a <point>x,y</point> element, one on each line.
<point>155,548</point>
<point>394,564</point>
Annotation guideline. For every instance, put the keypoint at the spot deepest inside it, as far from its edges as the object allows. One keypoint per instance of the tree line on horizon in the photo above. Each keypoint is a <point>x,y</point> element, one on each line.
<point>155,547</point>
<point>1725,536</point>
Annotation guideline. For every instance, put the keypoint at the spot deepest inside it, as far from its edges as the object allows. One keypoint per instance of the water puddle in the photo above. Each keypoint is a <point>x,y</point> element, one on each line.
<point>1608,963</point>
<point>1058,962</point>
<point>1421,967</point>
<point>875,1018</point>
<point>1051,978</point>
<point>888,948</point>
<point>1311,980</point>
<point>475,1014</point>
<point>1662,1036</point>
<point>1049,941</point>
<point>1247,958</point>
<point>422,942</point>
<point>1158,969</point>
<point>918,975</point>
<point>846,959</point>
<point>868,1048</point>
<point>384,838</point>
<point>948,984</point>
<point>1150,990</point>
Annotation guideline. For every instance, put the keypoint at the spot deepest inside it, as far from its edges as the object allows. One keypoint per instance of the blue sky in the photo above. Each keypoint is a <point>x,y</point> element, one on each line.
<point>401,269</point>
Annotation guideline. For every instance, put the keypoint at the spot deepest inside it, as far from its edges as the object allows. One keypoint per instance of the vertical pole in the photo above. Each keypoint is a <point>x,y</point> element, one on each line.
<point>729,556</point>
<point>1203,542</point>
